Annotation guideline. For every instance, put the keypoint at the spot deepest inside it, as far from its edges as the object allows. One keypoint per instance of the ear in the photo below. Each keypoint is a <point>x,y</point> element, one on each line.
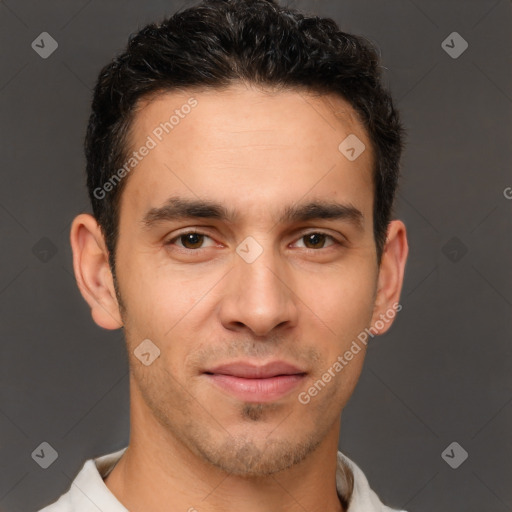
<point>92,271</point>
<point>391,276</point>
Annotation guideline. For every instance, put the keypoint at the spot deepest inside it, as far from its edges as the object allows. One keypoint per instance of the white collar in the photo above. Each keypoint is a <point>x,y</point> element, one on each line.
<point>88,488</point>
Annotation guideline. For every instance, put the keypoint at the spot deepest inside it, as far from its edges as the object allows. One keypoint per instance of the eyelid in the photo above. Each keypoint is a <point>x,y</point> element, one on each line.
<point>320,232</point>
<point>198,231</point>
<point>188,232</point>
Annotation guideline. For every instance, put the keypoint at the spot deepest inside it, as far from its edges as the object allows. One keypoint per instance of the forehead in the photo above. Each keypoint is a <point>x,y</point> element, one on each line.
<point>248,147</point>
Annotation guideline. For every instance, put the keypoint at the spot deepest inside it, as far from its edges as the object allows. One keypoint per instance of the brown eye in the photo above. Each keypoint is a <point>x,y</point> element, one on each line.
<point>191,240</point>
<point>315,240</point>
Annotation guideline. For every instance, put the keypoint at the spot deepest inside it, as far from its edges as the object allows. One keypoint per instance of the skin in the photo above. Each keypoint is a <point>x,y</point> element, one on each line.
<point>193,444</point>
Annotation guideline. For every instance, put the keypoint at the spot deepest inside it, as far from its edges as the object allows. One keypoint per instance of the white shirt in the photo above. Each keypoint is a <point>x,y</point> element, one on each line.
<point>88,492</point>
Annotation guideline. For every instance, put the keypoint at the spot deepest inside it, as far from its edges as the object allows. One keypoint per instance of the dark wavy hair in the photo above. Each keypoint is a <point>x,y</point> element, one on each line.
<point>218,43</point>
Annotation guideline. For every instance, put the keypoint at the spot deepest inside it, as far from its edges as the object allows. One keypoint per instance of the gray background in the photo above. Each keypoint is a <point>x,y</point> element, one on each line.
<point>443,371</point>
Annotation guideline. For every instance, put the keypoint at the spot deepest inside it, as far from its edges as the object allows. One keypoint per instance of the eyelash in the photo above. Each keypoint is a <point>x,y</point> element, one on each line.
<point>177,237</point>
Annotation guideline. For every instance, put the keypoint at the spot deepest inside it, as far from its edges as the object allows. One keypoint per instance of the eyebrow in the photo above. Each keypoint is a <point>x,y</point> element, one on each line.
<point>179,208</point>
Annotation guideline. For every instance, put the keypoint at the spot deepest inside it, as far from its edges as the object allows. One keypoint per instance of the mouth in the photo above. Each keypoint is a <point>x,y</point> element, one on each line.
<point>252,383</point>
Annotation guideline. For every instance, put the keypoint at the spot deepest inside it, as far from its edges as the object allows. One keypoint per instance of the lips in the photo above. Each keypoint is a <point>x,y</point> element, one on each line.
<point>251,371</point>
<point>252,383</point>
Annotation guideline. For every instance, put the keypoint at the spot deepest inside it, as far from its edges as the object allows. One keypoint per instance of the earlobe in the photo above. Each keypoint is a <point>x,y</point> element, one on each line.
<point>391,276</point>
<point>92,271</point>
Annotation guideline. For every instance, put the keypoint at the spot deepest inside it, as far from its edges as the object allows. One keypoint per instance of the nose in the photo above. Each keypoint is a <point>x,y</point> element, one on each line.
<point>259,295</point>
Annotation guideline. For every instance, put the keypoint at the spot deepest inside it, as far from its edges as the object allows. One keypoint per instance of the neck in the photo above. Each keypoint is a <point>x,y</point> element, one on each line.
<point>158,473</point>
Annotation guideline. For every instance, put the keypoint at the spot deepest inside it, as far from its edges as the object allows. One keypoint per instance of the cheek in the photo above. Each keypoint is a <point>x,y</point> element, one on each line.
<point>158,296</point>
<point>340,306</point>
<point>169,310</point>
<point>341,299</point>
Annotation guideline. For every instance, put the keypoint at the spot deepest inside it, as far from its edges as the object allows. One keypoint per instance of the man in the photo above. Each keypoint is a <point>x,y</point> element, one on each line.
<point>242,160</point>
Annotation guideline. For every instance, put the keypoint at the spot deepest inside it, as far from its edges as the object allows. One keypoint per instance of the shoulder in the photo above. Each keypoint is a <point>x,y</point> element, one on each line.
<point>362,498</point>
<point>88,490</point>
<point>63,504</point>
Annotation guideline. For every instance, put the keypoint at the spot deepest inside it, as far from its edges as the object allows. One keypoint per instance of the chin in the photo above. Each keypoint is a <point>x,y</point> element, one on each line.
<point>248,458</point>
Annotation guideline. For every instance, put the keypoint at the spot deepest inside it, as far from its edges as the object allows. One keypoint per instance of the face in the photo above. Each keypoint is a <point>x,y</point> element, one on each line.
<point>246,255</point>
